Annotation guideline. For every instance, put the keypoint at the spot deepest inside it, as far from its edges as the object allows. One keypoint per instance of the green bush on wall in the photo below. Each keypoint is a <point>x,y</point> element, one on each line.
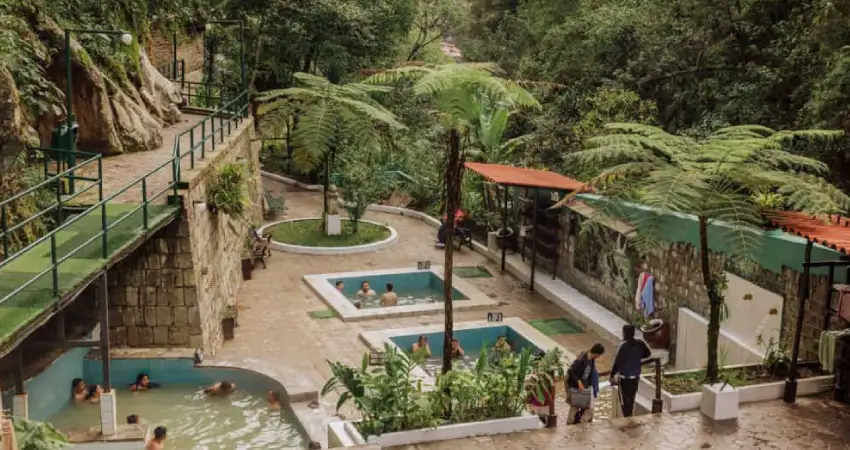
<point>226,191</point>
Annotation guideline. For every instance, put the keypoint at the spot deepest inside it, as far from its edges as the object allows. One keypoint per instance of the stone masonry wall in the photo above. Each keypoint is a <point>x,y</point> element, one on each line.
<point>172,291</point>
<point>189,48</point>
<point>678,283</point>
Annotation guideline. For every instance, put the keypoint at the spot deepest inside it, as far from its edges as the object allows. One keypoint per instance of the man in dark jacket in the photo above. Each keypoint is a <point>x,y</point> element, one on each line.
<point>582,376</point>
<point>626,369</point>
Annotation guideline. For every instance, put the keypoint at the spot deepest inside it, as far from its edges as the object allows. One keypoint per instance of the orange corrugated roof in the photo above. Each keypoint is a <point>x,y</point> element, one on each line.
<point>834,233</point>
<point>522,177</point>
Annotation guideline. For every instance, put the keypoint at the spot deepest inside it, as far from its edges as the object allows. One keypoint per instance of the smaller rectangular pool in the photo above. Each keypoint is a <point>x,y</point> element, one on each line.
<point>419,292</point>
<point>471,340</point>
<point>472,336</point>
<point>413,288</point>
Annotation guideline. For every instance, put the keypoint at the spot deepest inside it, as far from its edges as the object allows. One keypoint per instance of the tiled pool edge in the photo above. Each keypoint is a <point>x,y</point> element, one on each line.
<point>299,397</point>
<point>376,339</point>
<point>324,289</point>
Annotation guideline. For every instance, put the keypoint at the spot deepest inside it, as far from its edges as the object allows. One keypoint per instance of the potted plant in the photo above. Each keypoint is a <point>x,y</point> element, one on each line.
<point>226,192</point>
<point>247,258</point>
<point>656,333</point>
<point>228,322</point>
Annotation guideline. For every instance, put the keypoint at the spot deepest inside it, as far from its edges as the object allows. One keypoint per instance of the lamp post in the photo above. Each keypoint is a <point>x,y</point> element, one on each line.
<point>244,79</point>
<point>66,135</point>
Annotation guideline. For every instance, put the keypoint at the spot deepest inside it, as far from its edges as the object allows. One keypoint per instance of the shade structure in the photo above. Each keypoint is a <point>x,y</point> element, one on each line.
<point>528,178</point>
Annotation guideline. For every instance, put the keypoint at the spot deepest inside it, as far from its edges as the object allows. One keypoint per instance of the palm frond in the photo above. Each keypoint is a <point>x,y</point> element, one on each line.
<point>314,136</point>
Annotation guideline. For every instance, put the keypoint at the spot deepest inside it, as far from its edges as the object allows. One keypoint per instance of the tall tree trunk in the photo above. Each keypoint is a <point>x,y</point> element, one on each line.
<point>712,371</point>
<point>326,184</point>
<point>454,172</point>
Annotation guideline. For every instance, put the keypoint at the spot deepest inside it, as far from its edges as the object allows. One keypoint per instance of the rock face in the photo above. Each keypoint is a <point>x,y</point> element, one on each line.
<point>15,132</point>
<point>114,117</point>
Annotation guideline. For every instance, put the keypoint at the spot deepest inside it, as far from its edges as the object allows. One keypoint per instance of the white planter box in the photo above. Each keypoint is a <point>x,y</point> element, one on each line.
<point>343,434</point>
<point>747,394</point>
<point>720,401</point>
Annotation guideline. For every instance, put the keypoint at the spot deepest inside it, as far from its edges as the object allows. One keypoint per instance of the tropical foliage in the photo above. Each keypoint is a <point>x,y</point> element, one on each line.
<point>389,399</point>
<point>34,435</point>
<point>460,93</point>
<point>714,178</point>
<point>226,192</point>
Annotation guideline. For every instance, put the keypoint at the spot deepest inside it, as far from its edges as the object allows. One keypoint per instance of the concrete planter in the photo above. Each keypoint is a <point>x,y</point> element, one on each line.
<point>719,401</point>
<point>344,434</point>
<point>309,250</point>
<point>746,394</point>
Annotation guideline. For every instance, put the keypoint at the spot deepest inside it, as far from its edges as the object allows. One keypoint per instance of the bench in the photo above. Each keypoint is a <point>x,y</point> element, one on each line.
<point>262,247</point>
<point>272,205</point>
<point>463,235</point>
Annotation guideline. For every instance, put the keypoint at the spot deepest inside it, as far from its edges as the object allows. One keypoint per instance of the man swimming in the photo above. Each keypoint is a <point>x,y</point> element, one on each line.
<point>457,350</point>
<point>365,292</point>
<point>340,285</point>
<point>274,400</point>
<point>389,298</point>
<point>221,388</point>
<point>79,391</point>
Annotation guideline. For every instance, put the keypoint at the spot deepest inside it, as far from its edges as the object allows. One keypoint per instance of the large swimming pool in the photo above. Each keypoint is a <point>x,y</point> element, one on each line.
<point>419,292</point>
<point>194,420</point>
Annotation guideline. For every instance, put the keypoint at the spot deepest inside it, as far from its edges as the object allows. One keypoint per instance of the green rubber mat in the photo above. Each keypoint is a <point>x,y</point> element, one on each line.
<point>322,314</point>
<point>550,327</point>
<point>471,272</point>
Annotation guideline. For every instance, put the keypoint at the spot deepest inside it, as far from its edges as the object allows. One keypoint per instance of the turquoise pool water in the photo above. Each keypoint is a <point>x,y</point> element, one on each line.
<point>413,288</point>
<point>471,341</point>
<point>194,421</point>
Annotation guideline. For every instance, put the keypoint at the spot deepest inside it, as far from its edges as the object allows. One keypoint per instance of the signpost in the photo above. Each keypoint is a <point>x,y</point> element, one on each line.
<point>495,317</point>
<point>423,265</point>
<point>377,358</point>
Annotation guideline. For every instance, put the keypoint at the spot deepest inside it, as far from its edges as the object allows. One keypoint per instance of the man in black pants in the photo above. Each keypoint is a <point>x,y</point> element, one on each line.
<point>627,363</point>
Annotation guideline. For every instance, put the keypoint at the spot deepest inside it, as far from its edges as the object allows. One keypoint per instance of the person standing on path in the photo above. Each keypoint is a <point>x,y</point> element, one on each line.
<point>626,369</point>
<point>582,383</point>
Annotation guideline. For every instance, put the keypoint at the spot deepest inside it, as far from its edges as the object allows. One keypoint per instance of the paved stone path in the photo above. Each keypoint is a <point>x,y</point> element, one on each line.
<point>120,170</point>
<point>274,328</point>
<point>276,333</point>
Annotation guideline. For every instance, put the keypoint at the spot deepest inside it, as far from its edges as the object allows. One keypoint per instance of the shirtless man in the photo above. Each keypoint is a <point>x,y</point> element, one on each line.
<point>389,298</point>
<point>221,388</point>
<point>365,292</point>
<point>156,443</point>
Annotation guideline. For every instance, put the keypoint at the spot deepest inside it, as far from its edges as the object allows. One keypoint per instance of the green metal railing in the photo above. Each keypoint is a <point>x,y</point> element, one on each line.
<point>173,70</point>
<point>205,133</point>
<point>55,181</point>
<point>206,95</point>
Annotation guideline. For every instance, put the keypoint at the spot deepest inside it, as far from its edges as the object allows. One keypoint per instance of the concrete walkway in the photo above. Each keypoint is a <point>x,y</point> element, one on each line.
<point>120,170</point>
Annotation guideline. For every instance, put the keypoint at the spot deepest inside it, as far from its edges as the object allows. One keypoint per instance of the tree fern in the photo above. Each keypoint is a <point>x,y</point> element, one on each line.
<point>713,178</point>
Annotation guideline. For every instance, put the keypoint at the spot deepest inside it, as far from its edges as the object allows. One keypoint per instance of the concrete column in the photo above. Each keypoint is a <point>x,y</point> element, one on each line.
<point>20,406</point>
<point>108,412</point>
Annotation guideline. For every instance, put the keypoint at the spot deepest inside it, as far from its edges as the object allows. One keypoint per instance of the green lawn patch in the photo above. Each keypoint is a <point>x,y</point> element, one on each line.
<point>82,258</point>
<point>551,327</point>
<point>471,272</point>
<point>310,233</point>
<point>321,314</point>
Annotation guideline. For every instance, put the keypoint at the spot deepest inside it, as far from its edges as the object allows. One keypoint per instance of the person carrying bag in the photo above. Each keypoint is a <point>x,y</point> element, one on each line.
<point>582,377</point>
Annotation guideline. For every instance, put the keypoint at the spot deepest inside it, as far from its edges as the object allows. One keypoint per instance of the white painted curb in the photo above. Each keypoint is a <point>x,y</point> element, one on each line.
<point>291,182</point>
<point>303,249</point>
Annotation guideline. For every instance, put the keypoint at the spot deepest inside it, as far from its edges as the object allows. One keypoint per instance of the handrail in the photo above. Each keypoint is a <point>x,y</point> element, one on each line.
<point>234,111</point>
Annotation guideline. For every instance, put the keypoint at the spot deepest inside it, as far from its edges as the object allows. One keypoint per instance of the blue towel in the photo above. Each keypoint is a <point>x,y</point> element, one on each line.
<point>647,297</point>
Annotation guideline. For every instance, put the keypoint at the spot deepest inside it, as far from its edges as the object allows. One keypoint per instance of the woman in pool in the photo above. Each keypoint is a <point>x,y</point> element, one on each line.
<point>94,392</point>
<point>143,383</point>
<point>422,345</point>
<point>79,391</point>
<point>274,400</point>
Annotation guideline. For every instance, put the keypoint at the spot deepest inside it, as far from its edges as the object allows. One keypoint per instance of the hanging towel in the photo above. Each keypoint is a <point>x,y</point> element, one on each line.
<point>639,293</point>
<point>647,296</point>
<point>826,350</point>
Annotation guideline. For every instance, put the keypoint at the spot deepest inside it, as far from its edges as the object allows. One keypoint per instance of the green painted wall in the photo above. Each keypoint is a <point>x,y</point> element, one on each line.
<point>776,249</point>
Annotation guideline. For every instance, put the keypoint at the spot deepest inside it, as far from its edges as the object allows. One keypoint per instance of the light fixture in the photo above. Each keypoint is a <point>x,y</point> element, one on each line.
<point>126,39</point>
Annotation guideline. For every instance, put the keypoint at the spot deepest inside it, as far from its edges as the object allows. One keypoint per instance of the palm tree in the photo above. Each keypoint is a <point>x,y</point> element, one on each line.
<point>717,178</point>
<point>490,146</point>
<point>330,117</point>
<point>458,90</point>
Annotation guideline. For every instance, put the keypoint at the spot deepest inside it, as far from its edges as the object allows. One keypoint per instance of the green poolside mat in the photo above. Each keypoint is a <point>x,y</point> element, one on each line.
<point>77,260</point>
<point>471,272</point>
<point>322,314</point>
<point>550,327</point>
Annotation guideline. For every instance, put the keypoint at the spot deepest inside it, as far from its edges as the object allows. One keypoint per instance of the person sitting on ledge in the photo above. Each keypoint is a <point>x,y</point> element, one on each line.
<point>441,232</point>
<point>79,391</point>
<point>274,400</point>
<point>93,395</point>
<point>143,383</point>
<point>221,388</point>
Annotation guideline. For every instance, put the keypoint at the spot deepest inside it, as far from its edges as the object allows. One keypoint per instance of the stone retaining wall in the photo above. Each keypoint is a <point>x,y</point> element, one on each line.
<point>173,290</point>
